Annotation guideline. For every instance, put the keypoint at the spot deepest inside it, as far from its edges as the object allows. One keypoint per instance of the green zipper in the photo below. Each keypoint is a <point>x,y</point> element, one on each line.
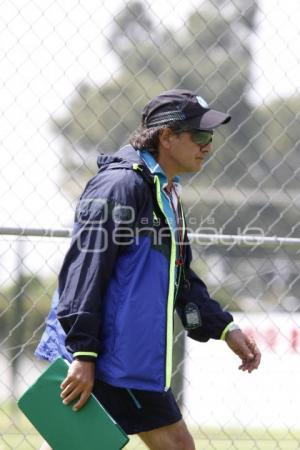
<point>170,303</point>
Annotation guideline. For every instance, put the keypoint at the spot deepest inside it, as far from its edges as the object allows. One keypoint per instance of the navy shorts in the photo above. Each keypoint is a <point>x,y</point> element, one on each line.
<point>136,410</point>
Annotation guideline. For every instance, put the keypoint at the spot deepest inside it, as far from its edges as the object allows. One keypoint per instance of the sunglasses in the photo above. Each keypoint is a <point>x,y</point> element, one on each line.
<point>201,137</point>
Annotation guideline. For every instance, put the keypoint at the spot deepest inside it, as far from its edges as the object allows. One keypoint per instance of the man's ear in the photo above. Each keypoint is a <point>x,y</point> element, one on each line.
<point>165,138</point>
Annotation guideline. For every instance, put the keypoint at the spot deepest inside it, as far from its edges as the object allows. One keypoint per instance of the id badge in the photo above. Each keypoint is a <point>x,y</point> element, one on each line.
<point>192,318</point>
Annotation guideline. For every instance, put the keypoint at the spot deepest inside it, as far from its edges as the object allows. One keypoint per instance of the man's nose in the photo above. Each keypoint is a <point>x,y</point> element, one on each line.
<point>206,148</point>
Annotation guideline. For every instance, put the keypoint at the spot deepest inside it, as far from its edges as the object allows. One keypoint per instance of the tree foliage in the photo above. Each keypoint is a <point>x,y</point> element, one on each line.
<point>211,54</point>
<point>208,55</point>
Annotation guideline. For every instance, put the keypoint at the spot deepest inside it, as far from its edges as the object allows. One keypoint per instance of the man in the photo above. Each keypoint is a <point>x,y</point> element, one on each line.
<point>128,267</point>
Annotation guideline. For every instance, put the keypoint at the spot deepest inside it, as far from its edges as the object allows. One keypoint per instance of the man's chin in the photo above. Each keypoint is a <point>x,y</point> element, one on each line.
<point>194,169</point>
<point>199,165</point>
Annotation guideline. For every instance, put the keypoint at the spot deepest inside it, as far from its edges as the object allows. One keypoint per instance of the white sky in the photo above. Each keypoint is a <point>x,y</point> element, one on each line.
<point>48,47</point>
<point>276,50</point>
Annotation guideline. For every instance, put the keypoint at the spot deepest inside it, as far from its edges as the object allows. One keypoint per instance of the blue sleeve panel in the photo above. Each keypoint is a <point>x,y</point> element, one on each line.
<point>52,343</point>
<point>105,207</point>
<point>213,318</point>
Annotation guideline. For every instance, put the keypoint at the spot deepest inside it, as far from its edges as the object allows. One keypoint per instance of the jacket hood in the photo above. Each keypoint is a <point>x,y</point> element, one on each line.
<point>124,157</point>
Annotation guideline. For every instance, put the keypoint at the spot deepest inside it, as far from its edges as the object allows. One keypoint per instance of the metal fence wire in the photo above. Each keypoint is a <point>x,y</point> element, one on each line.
<point>75,76</point>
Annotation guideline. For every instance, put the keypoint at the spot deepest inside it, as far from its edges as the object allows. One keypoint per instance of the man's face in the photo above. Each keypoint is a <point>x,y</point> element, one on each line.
<point>188,150</point>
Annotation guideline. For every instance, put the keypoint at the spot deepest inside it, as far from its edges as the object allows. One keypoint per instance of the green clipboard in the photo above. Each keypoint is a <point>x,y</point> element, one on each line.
<point>63,429</point>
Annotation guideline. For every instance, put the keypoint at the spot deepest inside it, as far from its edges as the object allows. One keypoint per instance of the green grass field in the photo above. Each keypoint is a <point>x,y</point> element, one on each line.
<point>16,433</point>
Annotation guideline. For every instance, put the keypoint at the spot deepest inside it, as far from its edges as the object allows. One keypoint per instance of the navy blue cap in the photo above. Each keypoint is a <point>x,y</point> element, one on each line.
<point>182,105</point>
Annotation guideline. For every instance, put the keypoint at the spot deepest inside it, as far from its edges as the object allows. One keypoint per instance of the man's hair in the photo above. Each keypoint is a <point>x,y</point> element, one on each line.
<point>148,138</point>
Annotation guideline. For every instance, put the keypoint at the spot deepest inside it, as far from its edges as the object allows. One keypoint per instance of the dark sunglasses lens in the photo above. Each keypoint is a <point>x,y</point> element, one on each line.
<point>201,137</point>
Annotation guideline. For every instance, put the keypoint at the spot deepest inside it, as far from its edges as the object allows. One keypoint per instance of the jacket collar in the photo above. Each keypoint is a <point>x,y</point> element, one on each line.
<point>154,167</point>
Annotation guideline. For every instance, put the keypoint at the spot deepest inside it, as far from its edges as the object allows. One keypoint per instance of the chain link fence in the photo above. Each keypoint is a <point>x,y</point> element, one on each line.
<point>75,76</point>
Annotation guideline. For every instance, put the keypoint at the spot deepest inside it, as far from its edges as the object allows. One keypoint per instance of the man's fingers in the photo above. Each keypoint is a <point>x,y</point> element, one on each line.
<point>73,391</point>
<point>243,367</point>
<point>250,351</point>
<point>256,360</point>
<point>247,366</point>
<point>245,348</point>
<point>72,395</point>
<point>69,388</point>
<point>83,399</point>
<point>251,363</point>
<point>78,384</point>
<point>66,381</point>
<point>256,354</point>
<point>245,353</point>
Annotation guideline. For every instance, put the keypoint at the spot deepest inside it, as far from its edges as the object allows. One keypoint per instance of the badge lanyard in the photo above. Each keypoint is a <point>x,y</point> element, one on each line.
<point>179,226</point>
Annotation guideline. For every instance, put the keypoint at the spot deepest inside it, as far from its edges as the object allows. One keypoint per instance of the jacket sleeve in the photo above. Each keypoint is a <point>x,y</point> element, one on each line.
<point>212,318</point>
<point>101,230</point>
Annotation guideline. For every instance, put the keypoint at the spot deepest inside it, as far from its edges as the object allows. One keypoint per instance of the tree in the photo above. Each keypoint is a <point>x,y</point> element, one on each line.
<point>210,54</point>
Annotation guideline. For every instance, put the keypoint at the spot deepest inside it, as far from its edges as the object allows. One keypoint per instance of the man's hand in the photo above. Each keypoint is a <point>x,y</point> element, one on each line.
<point>245,348</point>
<point>79,383</point>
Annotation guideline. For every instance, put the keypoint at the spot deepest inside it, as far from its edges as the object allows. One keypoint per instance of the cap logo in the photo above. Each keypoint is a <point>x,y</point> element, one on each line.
<point>201,101</point>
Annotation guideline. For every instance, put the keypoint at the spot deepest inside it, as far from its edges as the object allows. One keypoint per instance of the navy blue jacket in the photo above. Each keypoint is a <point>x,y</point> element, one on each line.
<point>117,288</point>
